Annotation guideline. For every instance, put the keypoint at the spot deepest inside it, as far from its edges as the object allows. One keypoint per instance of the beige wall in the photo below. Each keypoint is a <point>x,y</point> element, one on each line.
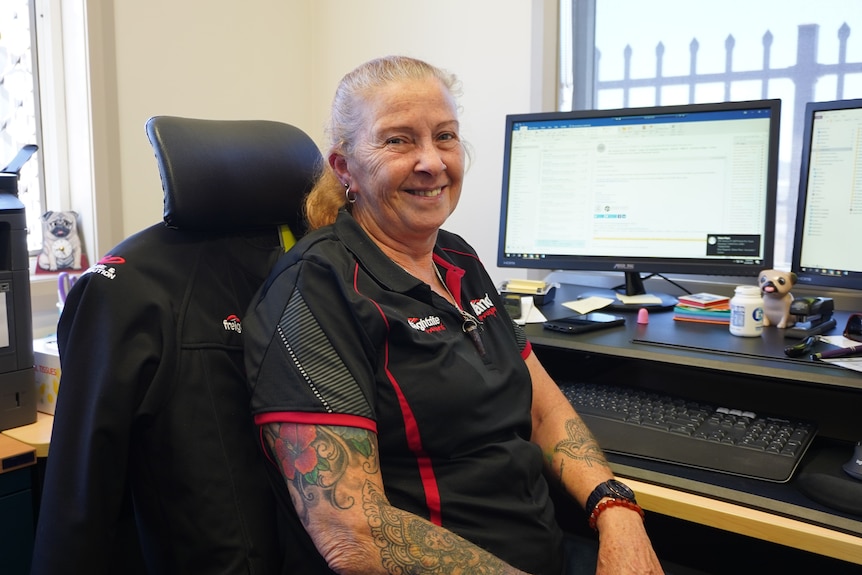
<point>281,59</point>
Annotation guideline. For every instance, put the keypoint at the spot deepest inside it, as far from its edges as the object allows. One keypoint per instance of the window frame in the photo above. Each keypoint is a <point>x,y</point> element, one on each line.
<point>577,90</point>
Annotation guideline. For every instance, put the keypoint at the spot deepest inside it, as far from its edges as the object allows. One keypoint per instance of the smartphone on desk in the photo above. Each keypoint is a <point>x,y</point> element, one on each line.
<point>585,322</point>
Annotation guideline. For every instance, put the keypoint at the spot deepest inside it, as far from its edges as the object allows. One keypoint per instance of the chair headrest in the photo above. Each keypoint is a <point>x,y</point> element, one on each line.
<point>223,175</point>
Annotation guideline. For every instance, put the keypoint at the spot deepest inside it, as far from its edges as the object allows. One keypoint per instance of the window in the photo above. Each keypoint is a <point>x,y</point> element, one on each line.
<point>19,120</point>
<point>630,53</point>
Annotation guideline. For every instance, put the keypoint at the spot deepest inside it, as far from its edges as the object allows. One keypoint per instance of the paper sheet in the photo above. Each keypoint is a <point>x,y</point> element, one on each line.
<point>588,304</point>
<point>638,299</point>
<point>529,312</point>
<point>851,362</point>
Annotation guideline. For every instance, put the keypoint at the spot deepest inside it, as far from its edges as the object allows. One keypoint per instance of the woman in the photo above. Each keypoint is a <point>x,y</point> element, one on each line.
<point>407,414</point>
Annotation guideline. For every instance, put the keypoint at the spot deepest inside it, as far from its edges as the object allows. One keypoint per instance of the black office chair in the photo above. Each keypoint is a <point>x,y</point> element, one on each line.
<point>154,463</point>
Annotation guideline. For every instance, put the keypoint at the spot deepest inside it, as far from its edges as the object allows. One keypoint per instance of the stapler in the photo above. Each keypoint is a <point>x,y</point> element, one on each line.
<point>813,316</point>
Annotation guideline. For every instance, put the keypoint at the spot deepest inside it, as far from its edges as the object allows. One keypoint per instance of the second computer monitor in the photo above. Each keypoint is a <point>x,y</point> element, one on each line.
<point>829,209</point>
<point>684,189</point>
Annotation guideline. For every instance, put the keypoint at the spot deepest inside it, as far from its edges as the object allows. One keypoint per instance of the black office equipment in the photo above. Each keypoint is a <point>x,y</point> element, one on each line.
<point>853,466</point>
<point>17,383</point>
<point>512,303</point>
<point>672,429</point>
<point>809,328</point>
<point>582,323</point>
<point>684,189</point>
<point>827,209</point>
<point>813,316</point>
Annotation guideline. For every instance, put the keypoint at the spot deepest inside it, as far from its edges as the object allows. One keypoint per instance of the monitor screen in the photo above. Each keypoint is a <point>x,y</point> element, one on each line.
<point>684,189</point>
<point>829,208</point>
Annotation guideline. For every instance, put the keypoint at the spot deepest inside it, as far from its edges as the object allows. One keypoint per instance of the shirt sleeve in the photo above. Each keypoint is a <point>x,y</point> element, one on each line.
<point>521,337</point>
<point>306,351</point>
<point>85,503</point>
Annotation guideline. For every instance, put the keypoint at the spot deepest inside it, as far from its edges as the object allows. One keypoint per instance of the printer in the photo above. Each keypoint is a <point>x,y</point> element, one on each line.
<point>17,381</point>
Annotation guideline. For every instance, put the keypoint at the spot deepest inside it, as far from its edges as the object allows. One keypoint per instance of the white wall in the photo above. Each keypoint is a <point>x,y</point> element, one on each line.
<point>218,59</point>
<point>501,50</point>
<point>281,60</point>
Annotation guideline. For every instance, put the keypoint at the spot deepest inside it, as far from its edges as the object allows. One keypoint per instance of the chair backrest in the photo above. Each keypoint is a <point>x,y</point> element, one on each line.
<point>220,175</point>
<point>152,407</point>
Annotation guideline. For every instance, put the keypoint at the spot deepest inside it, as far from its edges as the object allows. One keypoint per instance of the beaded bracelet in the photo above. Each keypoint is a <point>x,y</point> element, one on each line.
<point>594,516</point>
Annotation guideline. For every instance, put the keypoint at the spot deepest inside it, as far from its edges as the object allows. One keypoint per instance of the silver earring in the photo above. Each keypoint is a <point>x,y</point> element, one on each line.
<point>351,196</point>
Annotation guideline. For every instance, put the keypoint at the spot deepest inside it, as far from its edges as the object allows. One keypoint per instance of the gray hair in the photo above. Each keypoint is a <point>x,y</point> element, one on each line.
<point>345,119</point>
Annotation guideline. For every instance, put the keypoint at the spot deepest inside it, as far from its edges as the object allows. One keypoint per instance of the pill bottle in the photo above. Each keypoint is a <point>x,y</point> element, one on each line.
<point>746,312</point>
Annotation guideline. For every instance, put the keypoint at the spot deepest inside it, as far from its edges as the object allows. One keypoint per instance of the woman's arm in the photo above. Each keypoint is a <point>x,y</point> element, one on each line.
<point>575,460</point>
<point>333,476</point>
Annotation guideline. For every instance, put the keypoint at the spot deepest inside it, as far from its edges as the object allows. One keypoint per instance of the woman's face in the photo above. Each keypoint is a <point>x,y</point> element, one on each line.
<point>408,164</point>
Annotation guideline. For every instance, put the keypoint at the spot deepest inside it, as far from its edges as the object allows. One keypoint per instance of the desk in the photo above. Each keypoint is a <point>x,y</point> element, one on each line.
<point>17,522</point>
<point>706,363</point>
<point>747,521</point>
<point>37,435</point>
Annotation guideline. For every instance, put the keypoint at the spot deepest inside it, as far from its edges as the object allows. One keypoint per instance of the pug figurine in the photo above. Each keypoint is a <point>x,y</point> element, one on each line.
<point>61,246</point>
<point>775,287</point>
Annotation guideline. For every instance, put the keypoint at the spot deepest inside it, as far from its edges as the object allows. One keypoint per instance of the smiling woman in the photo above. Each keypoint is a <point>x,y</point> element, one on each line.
<point>381,348</point>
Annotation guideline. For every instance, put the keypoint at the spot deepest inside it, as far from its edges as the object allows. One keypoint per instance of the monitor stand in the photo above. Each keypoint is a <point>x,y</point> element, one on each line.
<point>634,287</point>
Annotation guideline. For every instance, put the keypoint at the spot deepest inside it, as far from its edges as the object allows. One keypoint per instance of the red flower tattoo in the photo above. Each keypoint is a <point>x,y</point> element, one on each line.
<point>296,449</point>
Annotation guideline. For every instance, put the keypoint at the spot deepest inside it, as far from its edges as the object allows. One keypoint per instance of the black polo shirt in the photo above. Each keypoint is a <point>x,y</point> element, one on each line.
<point>341,335</point>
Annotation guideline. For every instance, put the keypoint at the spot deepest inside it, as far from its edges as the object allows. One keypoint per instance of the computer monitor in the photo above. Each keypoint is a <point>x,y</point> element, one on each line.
<point>829,207</point>
<point>686,189</point>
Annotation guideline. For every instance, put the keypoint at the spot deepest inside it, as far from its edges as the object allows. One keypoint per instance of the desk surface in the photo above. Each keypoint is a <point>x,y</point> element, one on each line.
<point>706,362</point>
<point>37,435</point>
<point>695,344</point>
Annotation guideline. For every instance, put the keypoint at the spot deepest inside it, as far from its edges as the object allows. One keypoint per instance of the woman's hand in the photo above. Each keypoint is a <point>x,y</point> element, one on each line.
<point>624,546</point>
<point>576,461</point>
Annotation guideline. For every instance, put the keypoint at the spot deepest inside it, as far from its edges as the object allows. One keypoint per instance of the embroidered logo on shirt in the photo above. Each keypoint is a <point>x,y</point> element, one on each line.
<point>483,307</point>
<point>105,266</point>
<point>428,324</point>
<point>232,323</point>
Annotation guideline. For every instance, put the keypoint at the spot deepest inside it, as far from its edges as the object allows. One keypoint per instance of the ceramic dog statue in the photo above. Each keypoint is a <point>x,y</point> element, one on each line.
<point>775,287</point>
<point>61,245</point>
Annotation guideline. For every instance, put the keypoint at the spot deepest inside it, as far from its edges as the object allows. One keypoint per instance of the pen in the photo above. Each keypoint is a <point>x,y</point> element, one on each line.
<point>842,352</point>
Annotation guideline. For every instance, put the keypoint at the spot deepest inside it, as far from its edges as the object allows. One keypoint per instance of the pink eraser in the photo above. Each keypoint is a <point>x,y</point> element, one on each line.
<point>643,316</point>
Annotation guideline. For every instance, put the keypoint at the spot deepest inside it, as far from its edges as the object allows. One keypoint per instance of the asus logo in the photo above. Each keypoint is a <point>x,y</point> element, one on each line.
<point>624,266</point>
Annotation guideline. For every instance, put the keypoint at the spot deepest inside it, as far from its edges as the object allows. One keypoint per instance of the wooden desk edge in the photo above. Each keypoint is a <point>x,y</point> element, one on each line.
<point>747,521</point>
<point>36,434</point>
<point>14,453</point>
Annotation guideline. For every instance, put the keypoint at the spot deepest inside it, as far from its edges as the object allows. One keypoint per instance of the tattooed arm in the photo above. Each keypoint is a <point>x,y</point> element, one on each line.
<point>574,459</point>
<point>333,476</point>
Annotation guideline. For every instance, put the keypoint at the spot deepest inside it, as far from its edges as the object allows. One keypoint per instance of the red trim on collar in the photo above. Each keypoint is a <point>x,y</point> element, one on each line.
<point>453,278</point>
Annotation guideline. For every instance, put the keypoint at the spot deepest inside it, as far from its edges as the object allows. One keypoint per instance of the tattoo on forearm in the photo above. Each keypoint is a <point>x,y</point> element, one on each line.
<point>580,445</point>
<point>315,462</point>
<point>410,545</point>
<point>315,456</point>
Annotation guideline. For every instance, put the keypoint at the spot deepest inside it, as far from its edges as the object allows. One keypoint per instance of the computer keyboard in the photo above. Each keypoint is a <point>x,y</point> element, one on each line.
<point>660,427</point>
